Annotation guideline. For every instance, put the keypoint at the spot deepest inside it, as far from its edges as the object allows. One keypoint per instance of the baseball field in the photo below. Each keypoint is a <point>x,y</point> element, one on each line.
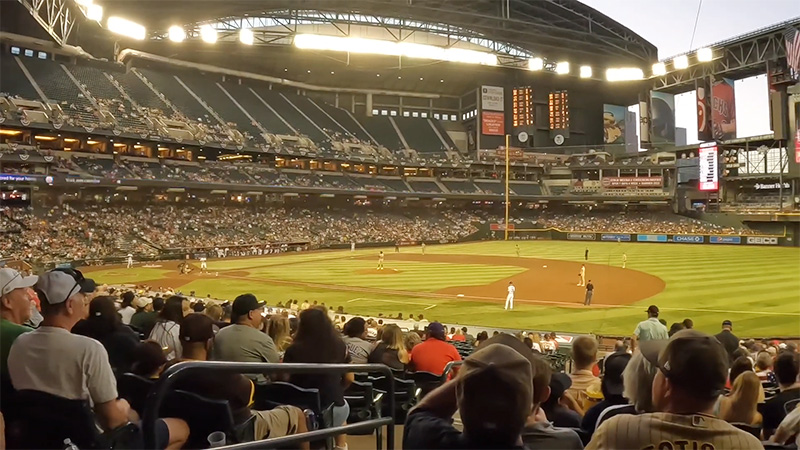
<point>758,288</point>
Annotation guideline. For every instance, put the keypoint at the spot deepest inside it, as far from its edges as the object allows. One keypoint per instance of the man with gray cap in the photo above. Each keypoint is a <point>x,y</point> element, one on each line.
<point>494,395</point>
<point>692,371</point>
<point>15,309</point>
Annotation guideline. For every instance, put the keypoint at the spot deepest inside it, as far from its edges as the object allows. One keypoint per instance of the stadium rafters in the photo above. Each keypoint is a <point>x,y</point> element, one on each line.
<point>513,29</point>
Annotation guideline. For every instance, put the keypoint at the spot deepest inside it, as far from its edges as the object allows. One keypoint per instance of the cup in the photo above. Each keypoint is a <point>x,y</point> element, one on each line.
<point>216,439</point>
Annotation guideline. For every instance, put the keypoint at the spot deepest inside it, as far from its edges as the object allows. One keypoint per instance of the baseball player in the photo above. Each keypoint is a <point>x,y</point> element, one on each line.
<point>130,260</point>
<point>510,296</point>
<point>624,259</point>
<point>586,254</point>
<point>380,260</point>
<point>516,247</point>
<point>352,246</point>
<point>204,263</point>
<point>582,276</point>
<point>589,292</point>
<point>423,248</point>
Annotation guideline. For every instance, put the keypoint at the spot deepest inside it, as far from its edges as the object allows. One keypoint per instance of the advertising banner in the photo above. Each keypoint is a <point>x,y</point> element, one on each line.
<point>492,98</point>
<point>632,182</point>
<point>493,123</point>
<point>725,239</point>
<point>651,238</point>
<point>500,226</point>
<point>709,170</point>
<point>614,124</point>
<point>723,110</point>
<point>663,117</point>
<point>688,239</point>
<point>702,90</point>
<point>792,36</point>
<point>610,237</point>
<point>762,240</point>
<point>581,236</point>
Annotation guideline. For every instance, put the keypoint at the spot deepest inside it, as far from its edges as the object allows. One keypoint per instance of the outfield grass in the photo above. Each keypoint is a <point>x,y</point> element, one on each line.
<point>758,288</point>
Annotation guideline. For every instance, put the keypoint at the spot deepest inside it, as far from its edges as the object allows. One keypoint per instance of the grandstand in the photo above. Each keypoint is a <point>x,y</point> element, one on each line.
<point>234,172</point>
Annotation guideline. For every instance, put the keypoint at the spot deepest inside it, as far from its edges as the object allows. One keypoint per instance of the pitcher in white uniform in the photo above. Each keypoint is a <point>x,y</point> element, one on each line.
<point>582,276</point>
<point>510,296</point>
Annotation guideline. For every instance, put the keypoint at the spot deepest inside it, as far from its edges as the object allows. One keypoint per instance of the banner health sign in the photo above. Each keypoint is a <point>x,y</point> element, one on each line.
<point>581,236</point>
<point>616,237</point>
<point>651,238</point>
<point>688,239</point>
<point>725,239</point>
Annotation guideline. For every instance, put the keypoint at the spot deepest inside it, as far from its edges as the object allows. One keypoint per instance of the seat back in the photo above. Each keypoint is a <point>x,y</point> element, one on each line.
<point>134,389</point>
<point>268,396</point>
<point>791,405</point>
<point>361,398</point>
<point>426,382</point>
<point>203,415</point>
<point>755,430</point>
<point>44,420</point>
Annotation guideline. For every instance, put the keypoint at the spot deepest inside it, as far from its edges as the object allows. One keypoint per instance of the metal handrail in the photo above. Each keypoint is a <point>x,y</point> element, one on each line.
<point>449,368</point>
<point>181,370</point>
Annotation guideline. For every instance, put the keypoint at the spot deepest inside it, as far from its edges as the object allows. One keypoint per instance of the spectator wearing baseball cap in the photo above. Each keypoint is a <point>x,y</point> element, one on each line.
<point>493,394</point>
<point>692,370</point>
<point>433,354</point>
<point>15,309</point>
<point>197,338</point>
<point>104,325</point>
<point>561,407</point>
<point>243,341</point>
<point>650,329</point>
<point>612,387</point>
<point>146,315</point>
<point>727,338</point>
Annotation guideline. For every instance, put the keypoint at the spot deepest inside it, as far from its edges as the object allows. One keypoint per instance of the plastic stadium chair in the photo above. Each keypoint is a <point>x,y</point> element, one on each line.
<point>269,396</point>
<point>134,389</point>
<point>44,420</point>
<point>365,404</point>
<point>204,416</point>
<point>755,430</point>
<point>405,396</point>
<point>426,382</point>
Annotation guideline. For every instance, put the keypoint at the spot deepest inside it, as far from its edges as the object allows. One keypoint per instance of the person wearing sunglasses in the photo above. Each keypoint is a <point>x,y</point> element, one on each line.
<point>691,371</point>
<point>15,309</point>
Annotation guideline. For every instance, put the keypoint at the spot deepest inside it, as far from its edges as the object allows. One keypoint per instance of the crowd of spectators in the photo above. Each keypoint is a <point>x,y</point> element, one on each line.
<point>667,387</point>
<point>650,222</point>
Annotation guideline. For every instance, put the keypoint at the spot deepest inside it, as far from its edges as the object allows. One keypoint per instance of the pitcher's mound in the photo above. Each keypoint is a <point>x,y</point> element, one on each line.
<point>386,271</point>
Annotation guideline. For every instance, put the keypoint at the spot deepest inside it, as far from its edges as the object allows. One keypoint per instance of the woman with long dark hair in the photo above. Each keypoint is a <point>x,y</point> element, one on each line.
<point>317,341</point>
<point>104,325</point>
<point>168,326</point>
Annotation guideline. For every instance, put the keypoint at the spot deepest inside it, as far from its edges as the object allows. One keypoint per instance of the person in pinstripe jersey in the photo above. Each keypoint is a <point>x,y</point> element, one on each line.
<point>692,371</point>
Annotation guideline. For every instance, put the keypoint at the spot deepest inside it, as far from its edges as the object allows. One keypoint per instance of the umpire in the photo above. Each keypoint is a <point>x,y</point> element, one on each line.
<point>589,291</point>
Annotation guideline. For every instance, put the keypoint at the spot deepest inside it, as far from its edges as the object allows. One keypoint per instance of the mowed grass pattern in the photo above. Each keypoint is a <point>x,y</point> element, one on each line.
<point>758,288</point>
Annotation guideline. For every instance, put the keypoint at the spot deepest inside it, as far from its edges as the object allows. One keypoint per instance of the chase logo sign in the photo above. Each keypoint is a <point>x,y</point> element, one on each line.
<point>759,240</point>
<point>688,239</point>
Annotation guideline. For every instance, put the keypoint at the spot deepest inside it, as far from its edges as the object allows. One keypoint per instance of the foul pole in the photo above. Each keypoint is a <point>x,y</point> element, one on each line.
<point>508,138</point>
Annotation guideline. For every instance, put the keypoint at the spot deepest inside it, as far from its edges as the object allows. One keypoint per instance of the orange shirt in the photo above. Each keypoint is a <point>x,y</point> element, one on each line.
<point>432,355</point>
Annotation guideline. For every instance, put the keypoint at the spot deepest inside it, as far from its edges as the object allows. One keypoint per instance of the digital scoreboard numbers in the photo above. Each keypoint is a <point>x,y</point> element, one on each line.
<point>709,169</point>
<point>523,107</point>
<point>558,104</point>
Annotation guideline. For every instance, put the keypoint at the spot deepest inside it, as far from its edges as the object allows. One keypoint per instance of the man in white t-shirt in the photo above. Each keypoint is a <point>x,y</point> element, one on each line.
<point>510,296</point>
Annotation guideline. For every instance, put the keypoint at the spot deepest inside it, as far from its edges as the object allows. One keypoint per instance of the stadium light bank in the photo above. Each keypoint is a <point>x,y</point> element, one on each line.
<point>388,48</point>
<point>126,28</point>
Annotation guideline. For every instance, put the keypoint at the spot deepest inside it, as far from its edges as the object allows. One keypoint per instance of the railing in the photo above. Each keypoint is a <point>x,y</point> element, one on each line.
<point>449,368</point>
<point>156,397</point>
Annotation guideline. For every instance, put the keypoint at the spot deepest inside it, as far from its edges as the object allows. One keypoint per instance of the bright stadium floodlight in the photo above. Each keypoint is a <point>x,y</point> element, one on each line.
<point>208,34</point>
<point>388,48</point>
<point>126,27</point>
<point>176,33</point>
<point>246,36</point>
<point>586,72</point>
<point>681,62</point>
<point>94,12</point>
<point>535,64</point>
<point>624,74</point>
<point>659,69</point>
<point>705,54</point>
<point>562,68</point>
<point>85,3</point>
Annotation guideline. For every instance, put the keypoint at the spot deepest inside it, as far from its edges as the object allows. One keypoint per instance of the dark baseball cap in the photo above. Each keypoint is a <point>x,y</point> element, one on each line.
<point>653,309</point>
<point>691,360</point>
<point>245,303</point>
<point>613,366</point>
<point>541,370</point>
<point>559,383</point>
<point>436,330</point>
<point>727,323</point>
<point>196,328</point>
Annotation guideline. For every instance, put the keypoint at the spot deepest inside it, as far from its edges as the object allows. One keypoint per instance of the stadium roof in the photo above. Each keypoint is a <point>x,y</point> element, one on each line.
<point>550,28</point>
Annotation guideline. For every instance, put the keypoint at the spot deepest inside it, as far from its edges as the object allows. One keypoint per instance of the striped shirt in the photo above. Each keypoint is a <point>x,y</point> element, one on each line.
<point>671,431</point>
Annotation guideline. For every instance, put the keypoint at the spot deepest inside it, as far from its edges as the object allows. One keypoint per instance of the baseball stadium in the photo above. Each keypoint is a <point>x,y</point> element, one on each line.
<point>263,184</point>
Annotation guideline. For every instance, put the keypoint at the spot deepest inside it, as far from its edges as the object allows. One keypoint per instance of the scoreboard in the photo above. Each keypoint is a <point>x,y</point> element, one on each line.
<point>709,169</point>
<point>558,106</point>
<point>523,107</point>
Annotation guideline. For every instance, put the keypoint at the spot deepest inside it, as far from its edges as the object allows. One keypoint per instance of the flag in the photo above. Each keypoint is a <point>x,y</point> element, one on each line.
<point>792,36</point>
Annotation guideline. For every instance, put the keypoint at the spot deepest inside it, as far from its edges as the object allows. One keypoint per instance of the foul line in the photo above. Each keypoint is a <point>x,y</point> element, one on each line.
<point>578,304</point>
